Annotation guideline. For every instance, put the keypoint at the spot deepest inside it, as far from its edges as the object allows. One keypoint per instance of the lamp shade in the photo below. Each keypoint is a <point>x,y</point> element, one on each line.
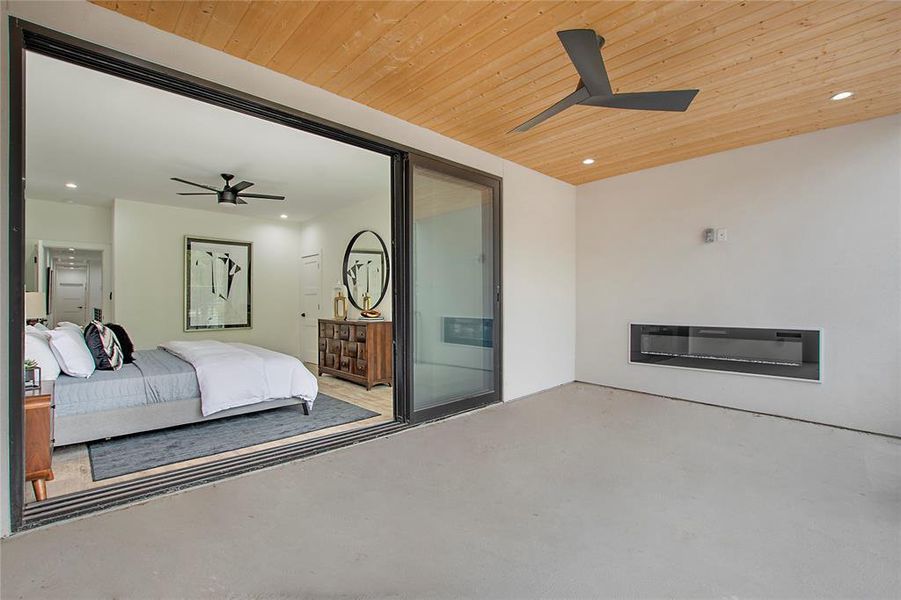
<point>35,305</point>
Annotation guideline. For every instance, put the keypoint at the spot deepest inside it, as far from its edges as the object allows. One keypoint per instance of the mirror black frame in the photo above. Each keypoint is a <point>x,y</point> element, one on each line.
<point>350,246</point>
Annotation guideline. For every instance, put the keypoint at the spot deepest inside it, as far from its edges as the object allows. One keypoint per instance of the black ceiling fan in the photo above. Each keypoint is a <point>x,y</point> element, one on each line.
<point>584,49</point>
<point>230,194</point>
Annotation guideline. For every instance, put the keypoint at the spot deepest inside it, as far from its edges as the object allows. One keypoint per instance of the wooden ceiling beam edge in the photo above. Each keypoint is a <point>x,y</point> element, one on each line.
<point>709,147</point>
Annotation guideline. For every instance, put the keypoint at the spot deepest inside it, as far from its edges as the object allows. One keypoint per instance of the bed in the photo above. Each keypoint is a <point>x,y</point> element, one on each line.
<point>177,384</point>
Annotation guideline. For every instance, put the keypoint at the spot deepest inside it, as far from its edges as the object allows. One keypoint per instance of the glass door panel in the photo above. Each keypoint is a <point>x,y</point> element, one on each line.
<point>455,285</point>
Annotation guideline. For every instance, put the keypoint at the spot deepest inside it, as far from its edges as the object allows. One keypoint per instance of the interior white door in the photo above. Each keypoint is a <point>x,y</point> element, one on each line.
<point>70,295</point>
<point>310,306</point>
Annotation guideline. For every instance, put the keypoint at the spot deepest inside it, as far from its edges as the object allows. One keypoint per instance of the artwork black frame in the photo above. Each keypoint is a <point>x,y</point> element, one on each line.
<point>347,254</point>
<point>190,239</point>
<point>35,38</point>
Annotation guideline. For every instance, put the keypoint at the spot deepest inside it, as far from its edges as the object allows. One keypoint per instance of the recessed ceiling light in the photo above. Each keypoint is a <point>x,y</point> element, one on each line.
<point>842,95</point>
<point>71,185</point>
<point>588,161</point>
<point>283,216</point>
<point>71,258</point>
<point>71,249</point>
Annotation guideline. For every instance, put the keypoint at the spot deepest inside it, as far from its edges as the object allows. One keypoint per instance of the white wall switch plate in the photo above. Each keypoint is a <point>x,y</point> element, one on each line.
<point>721,235</point>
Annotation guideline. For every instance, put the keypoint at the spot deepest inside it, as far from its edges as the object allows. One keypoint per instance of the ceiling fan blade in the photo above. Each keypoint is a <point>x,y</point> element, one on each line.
<point>239,201</point>
<point>264,196</point>
<point>198,194</point>
<point>200,185</point>
<point>576,97</point>
<point>675,101</point>
<point>241,186</point>
<point>584,49</point>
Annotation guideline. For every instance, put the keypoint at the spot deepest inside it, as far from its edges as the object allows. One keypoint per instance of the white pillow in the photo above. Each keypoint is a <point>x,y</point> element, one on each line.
<point>71,351</point>
<point>41,327</point>
<point>63,324</point>
<point>37,348</point>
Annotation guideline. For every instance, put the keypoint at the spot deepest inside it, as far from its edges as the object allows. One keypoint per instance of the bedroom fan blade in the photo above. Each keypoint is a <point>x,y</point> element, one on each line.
<point>576,97</point>
<point>264,196</point>
<point>675,101</point>
<point>241,186</point>
<point>198,194</point>
<point>584,49</point>
<point>239,201</point>
<point>200,185</point>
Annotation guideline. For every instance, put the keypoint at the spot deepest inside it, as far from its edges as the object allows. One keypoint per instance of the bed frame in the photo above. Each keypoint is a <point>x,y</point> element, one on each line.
<point>76,429</point>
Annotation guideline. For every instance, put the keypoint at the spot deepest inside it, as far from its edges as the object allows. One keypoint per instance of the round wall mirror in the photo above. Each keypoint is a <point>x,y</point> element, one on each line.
<point>366,270</point>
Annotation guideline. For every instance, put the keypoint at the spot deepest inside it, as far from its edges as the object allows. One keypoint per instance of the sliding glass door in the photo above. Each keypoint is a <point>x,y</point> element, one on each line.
<point>455,288</point>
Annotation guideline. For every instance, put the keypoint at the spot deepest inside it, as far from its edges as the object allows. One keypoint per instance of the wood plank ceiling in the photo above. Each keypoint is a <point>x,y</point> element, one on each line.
<point>475,70</point>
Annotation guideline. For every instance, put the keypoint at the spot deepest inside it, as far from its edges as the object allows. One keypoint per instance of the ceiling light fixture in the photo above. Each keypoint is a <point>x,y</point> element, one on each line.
<point>842,95</point>
<point>71,249</point>
<point>283,216</point>
<point>588,161</point>
<point>71,258</point>
<point>71,185</point>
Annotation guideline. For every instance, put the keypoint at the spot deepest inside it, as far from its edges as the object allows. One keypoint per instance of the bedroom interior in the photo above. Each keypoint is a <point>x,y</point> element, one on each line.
<point>217,288</point>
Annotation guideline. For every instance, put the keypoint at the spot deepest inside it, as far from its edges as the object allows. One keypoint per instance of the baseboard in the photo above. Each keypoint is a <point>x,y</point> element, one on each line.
<point>744,410</point>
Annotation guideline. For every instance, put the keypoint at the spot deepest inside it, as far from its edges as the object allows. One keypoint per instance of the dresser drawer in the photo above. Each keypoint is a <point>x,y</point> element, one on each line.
<point>360,333</point>
<point>361,367</point>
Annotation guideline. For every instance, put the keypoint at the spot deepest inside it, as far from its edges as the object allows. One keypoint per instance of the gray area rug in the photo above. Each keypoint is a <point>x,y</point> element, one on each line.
<point>140,451</point>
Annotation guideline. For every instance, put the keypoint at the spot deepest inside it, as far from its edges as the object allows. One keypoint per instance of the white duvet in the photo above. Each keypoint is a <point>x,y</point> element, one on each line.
<point>233,374</point>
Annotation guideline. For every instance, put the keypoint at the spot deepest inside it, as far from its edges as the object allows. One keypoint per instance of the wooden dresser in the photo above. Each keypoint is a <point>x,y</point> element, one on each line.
<point>39,438</point>
<point>358,351</point>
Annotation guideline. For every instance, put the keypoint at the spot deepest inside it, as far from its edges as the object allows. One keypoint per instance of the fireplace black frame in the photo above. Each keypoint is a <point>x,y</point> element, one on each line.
<point>784,353</point>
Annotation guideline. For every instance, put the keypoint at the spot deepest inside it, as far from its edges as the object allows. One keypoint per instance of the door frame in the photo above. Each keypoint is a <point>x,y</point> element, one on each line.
<point>318,255</point>
<point>496,185</point>
<point>25,36</point>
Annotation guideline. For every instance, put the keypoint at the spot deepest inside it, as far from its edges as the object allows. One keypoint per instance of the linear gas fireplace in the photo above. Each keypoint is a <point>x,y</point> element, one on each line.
<point>792,353</point>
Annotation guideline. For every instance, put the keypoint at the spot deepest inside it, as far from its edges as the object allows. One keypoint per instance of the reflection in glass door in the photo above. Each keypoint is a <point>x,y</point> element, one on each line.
<point>455,288</point>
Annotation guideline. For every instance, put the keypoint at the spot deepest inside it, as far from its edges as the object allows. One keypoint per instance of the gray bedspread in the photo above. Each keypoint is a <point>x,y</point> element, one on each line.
<point>155,376</point>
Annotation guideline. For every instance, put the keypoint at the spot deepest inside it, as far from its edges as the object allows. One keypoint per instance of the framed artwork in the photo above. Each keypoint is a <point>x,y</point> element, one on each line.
<point>217,284</point>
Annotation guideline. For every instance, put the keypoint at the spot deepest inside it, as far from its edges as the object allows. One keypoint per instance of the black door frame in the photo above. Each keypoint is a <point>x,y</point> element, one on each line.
<point>25,36</point>
<point>466,403</point>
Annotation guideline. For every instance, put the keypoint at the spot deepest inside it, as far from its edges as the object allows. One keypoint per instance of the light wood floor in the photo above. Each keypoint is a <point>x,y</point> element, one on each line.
<point>72,467</point>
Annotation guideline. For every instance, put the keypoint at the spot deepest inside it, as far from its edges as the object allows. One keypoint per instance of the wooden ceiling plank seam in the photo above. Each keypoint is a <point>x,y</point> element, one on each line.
<point>225,19</point>
<point>524,111</point>
<point>309,33</point>
<point>387,85</point>
<point>193,19</point>
<point>472,36</point>
<point>250,28</point>
<point>402,62</point>
<point>163,14</point>
<point>348,26</point>
<point>744,137</point>
<point>762,114</point>
<point>351,50</point>
<point>378,54</point>
<point>134,9</point>
<point>361,69</point>
<point>287,20</point>
<point>562,79</point>
<point>877,32</point>
<point>741,73</point>
<point>517,19</point>
<point>540,52</point>
<point>447,83</point>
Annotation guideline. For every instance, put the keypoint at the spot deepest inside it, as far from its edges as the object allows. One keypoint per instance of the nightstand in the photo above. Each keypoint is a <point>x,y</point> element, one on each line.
<point>39,438</point>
